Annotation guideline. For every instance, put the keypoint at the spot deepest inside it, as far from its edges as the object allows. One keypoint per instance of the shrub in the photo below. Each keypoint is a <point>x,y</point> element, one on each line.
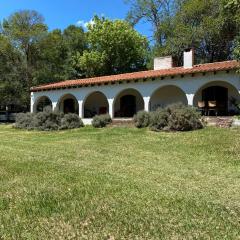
<point>24,120</point>
<point>71,121</point>
<point>100,121</point>
<point>47,121</point>
<point>183,118</point>
<point>142,119</point>
<point>159,119</point>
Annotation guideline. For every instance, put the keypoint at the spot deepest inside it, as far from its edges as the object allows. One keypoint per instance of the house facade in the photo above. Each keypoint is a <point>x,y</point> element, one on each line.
<point>214,88</point>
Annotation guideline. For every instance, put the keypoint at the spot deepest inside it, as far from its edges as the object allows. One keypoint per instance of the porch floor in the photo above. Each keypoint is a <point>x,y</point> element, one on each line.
<point>219,121</point>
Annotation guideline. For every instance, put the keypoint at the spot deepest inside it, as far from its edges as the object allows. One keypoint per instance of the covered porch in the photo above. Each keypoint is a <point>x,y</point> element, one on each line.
<point>217,99</point>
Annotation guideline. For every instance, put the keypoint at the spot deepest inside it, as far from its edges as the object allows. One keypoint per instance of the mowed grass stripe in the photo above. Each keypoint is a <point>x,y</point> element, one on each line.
<point>124,183</point>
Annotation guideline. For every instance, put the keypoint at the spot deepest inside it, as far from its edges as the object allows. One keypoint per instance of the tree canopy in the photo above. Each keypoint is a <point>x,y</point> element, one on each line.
<point>113,47</point>
<point>30,54</point>
<point>209,26</point>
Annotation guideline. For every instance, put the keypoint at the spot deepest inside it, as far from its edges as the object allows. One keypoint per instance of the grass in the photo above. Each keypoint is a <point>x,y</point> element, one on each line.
<point>119,183</point>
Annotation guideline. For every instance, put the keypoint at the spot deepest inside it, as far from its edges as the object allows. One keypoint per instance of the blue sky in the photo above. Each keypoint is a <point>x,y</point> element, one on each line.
<point>61,13</point>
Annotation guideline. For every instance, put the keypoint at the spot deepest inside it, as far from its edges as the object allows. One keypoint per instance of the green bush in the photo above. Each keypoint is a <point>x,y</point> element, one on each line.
<point>24,121</point>
<point>100,121</point>
<point>71,121</point>
<point>47,121</point>
<point>183,118</point>
<point>142,119</point>
<point>175,117</point>
<point>159,119</point>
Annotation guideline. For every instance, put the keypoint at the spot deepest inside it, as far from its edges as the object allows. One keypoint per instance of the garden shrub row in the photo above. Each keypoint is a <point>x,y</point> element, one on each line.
<point>176,117</point>
<point>101,121</point>
<point>48,121</point>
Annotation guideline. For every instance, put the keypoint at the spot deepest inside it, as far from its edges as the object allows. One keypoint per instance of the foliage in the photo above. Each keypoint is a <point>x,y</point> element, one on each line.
<point>159,119</point>
<point>47,121</point>
<point>155,12</point>
<point>25,29</point>
<point>208,26</point>
<point>12,86</point>
<point>100,121</point>
<point>183,118</point>
<point>71,121</point>
<point>142,119</point>
<point>114,47</point>
<point>58,52</point>
<point>24,121</point>
<point>31,55</point>
<point>176,117</point>
<point>235,103</point>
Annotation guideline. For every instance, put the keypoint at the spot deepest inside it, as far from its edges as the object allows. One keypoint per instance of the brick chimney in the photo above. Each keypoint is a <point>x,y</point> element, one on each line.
<point>163,63</point>
<point>188,58</point>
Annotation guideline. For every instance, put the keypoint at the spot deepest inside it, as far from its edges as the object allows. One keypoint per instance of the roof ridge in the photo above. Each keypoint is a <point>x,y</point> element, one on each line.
<point>221,62</point>
<point>206,67</point>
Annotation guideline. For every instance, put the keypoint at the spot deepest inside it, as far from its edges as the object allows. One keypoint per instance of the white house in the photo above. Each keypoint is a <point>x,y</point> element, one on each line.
<point>211,87</point>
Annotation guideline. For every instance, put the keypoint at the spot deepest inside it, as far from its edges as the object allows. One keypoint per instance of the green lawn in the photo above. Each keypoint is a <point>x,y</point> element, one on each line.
<point>119,183</point>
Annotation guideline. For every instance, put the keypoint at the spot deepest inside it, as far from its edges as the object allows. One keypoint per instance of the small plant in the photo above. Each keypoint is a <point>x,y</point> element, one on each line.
<point>100,121</point>
<point>183,118</point>
<point>71,121</point>
<point>142,119</point>
<point>159,119</point>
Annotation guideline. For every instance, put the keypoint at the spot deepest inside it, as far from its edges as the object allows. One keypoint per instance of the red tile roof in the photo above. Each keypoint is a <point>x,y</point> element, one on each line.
<point>202,68</point>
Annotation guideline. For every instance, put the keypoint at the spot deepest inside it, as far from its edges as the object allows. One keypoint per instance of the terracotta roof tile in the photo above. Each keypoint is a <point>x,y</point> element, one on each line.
<point>202,68</point>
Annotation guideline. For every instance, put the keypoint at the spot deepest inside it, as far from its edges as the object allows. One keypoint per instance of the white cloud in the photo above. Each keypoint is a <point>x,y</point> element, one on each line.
<point>84,24</point>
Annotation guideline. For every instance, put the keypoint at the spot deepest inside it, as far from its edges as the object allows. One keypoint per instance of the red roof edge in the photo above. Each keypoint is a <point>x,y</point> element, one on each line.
<point>201,68</point>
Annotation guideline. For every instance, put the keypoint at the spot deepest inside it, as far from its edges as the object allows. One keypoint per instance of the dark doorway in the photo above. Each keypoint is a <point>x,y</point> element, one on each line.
<point>218,94</point>
<point>128,105</point>
<point>69,106</point>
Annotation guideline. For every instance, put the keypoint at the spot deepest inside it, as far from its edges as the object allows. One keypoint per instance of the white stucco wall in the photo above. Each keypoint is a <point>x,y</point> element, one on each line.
<point>188,84</point>
<point>167,95</point>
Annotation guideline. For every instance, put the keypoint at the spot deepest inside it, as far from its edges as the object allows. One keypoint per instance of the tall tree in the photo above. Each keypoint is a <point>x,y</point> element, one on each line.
<point>233,6</point>
<point>58,51</point>
<point>210,26</point>
<point>155,12</point>
<point>11,74</point>
<point>205,25</point>
<point>114,47</point>
<point>24,29</point>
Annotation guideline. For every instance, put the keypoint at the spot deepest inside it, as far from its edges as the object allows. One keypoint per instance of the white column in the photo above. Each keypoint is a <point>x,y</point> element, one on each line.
<point>32,102</point>
<point>146,103</point>
<point>190,99</point>
<point>54,106</point>
<point>111,108</point>
<point>81,110</point>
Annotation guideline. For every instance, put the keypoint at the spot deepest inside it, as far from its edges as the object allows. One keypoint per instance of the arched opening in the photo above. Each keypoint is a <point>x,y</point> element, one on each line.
<point>217,98</point>
<point>41,104</point>
<point>68,104</point>
<point>128,103</point>
<point>165,96</point>
<point>95,104</point>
